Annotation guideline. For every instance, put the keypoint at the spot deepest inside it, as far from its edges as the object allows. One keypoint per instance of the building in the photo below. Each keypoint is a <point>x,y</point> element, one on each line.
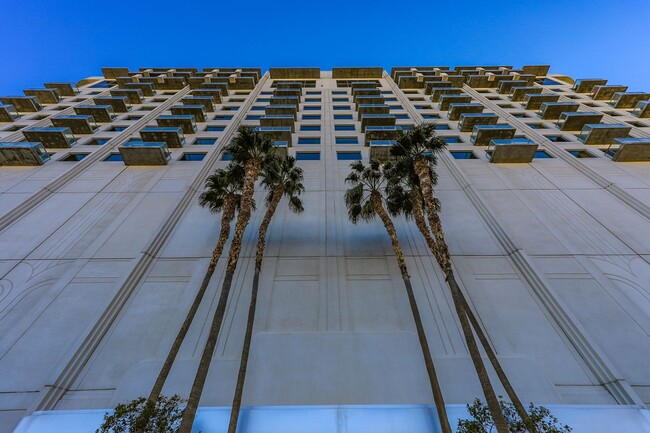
<point>545,192</point>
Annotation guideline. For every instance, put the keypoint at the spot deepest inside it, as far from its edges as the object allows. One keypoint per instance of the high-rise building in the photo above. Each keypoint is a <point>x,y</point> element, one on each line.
<point>545,194</point>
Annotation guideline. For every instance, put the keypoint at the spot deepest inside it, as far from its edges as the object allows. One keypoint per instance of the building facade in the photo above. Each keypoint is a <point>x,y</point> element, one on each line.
<point>545,192</point>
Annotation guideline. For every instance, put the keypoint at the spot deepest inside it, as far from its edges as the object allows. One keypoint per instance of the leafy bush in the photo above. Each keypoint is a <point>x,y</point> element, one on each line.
<point>540,418</point>
<point>140,416</point>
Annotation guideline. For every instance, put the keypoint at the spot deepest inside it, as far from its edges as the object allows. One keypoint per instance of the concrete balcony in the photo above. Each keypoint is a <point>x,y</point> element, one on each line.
<point>377,120</point>
<point>628,99</point>
<point>198,111</point>
<point>364,109</point>
<point>78,124</point>
<point>411,81</point>
<point>468,121</point>
<point>642,109</point>
<point>430,85</point>
<point>380,149</point>
<point>537,70</point>
<point>279,109</point>
<point>534,102</point>
<point>380,133</point>
<point>603,133</point>
<point>457,110</point>
<point>215,94</point>
<point>64,89</point>
<point>630,150</point>
<point>144,153</point>
<point>101,113</point>
<point>206,101</point>
<point>586,85</point>
<point>279,93</point>
<point>487,81</point>
<point>483,134</point>
<point>222,86</point>
<point>51,138</point>
<point>165,83</point>
<point>294,73</point>
<point>173,136</point>
<point>281,148</point>
<point>288,85</point>
<point>22,104</point>
<point>113,73</point>
<point>187,123</point>
<point>606,92</point>
<point>277,133</point>
<point>518,150</point>
<point>506,85</point>
<point>120,104</point>
<point>368,100</point>
<point>285,100</point>
<point>437,92</point>
<point>577,120</point>
<point>446,100</point>
<point>365,92</point>
<point>133,96</point>
<point>363,85</point>
<point>22,154</point>
<point>553,110</point>
<point>518,93</point>
<point>45,96</point>
<point>147,89</point>
<point>278,120</point>
<point>8,113</point>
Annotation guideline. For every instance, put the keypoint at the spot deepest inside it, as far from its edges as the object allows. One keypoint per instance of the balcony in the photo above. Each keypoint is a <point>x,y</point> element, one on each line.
<point>430,85</point>
<point>45,96</point>
<point>198,111</point>
<point>120,104</point>
<point>278,120</point>
<point>365,92</point>
<point>294,73</point>
<point>279,93</point>
<point>144,153</point>
<point>363,72</point>
<point>185,122</point>
<point>380,133</point>
<point>483,134</point>
<point>368,100</point>
<point>537,70</point>
<point>101,113</point>
<point>468,121</point>
<point>518,93</point>
<point>8,113</point>
<point>377,120</point>
<point>147,89</point>
<point>628,99</point>
<point>606,92</point>
<point>281,148</point>
<point>642,109</point>
<point>113,73</point>
<point>411,81</point>
<point>364,109</point>
<point>285,100</point>
<point>22,104</point>
<point>222,86</point>
<point>23,153</point>
<point>279,109</point>
<point>64,89</point>
<point>506,85</point>
<point>446,100</point>
<point>51,138</point>
<point>456,110</point>
<point>288,85</point>
<point>575,121</point>
<point>534,102</point>
<point>586,85</point>
<point>380,149</point>
<point>553,110</point>
<point>363,85</point>
<point>206,101</point>
<point>629,150</point>
<point>173,136</point>
<point>78,124</point>
<point>134,96</point>
<point>603,133</point>
<point>277,133</point>
<point>215,94</point>
<point>518,150</point>
<point>437,92</point>
<point>165,83</point>
<point>487,80</point>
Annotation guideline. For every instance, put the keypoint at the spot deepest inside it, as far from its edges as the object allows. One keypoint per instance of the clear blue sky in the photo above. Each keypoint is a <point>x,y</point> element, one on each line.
<point>67,40</point>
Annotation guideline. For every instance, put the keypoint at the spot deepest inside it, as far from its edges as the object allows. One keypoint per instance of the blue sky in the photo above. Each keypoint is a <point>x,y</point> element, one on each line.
<point>45,40</point>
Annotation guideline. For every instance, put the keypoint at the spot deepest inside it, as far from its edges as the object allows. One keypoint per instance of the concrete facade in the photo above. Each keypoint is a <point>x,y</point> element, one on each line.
<point>99,261</point>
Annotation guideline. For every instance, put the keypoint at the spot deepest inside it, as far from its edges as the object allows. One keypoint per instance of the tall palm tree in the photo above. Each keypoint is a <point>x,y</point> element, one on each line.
<point>364,201</point>
<point>282,178</point>
<point>415,151</point>
<point>249,148</point>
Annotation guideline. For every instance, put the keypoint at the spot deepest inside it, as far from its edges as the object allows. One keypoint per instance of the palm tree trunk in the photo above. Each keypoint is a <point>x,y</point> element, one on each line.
<point>422,170</point>
<point>252,170</point>
<point>243,363</point>
<point>424,344</point>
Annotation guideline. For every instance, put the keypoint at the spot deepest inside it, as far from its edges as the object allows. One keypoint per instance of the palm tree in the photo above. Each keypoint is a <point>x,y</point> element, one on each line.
<point>415,151</point>
<point>249,148</point>
<point>364,201</point>
<point>282,178</point>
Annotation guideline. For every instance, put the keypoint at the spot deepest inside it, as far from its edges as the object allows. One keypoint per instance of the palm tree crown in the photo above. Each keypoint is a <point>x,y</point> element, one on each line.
<point>283,174</point>
<point>221,185</point>
<point>420,141</point>
<point>366,181</point>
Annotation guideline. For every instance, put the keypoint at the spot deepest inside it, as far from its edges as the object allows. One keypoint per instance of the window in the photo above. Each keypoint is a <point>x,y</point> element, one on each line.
<point>344,127</point>
<point>101,85</point>
<point>463,155</point>
<point>226,156</point>
<point>386,92</point>
<point>97,141</point>
<point>307,156</point>
<point>312,100</point>
<point>518,115</point>
<point>340,100</point>
<point>311,107</point>
<point>134,118</point>
<point>310,127</point>
<point>242,100</point>
<point>542,154</point>
<point>340,107</point>
<point>534,125</point>
<point>556,138</point>
<point>216,128</point>
<point>257,108</point>
<point>192,157</point>
<point>222,117</point>
<point>253,117</point>
<point>401,116</point>
<point>308,140</point>
<point>430,116</point>
<point>230,108</point>
<point>390,99</point>
<point>313,92</point>
<point>342,117</point>
<point>75,157</point>
<point>347,140</point>
<point>580,154</point>
<point>451,139</point>
<point>118,128</point>
<point>348,156</point>
<point>311,117</point>
<point>114,157</point>
<point>441,127</point>
<point>339,92</point>
<point>205,141</point>
<point>266,93</point>
<point>395,107</point>
<point>263,100</point>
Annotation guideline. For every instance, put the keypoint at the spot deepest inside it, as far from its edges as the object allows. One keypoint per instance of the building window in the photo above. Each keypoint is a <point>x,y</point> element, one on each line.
<point>118,128</point>
<point>463,155</point>
<point>230,108</point>
<point>312,100</point>
<point>262,100</point>
<point>75,157</point>
<point>339,92</point>
<point>542,154</point>
<point>205,141</point>
<point>344,127</point>
<point>581,154</point>
<point>451,139</point>
<point>556,138</point>
<point>311,117</point>
<point>310,127</point>
<point>253,117</point>
<point>222,117</point>
<point>430,116</point>
<point>226,156</point>
<point>401,116</point>
<point>311,107</point>
<point>257,108</point>
<point>441,127</point>
<point>308,140</point>
<point>342,117</point>
<point>114,157</point>
<point>313,92</point>
<point>307,156</point>
<point>340,100</point>
<point>216,128</point>
<point>396,107</point>
<point>390,99</point>
<point>97,141</point>
<point>192,157</point>
<point>347,140</point>
<point>340,107</point>
<point>348,156</point>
